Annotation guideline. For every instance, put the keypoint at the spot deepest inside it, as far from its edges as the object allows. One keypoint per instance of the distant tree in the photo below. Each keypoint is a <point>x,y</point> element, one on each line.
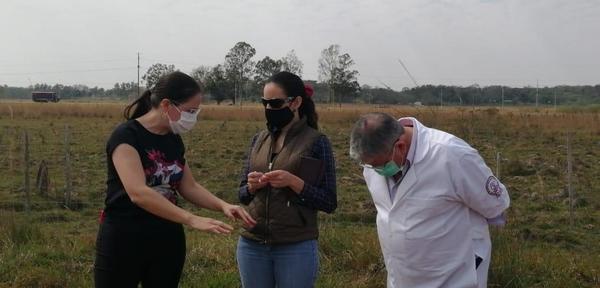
<point>346,83</point>
<point>46,87</point>
<point>265,68</point>
<point>327,68</point>
<point>239,66</point>
<point>377,95</point>
<point>292,63</point>
<point>336,70</point>
<point>217,84</point>
<point>201,73</point>
<point>124,90</point>
<point>155,72</point>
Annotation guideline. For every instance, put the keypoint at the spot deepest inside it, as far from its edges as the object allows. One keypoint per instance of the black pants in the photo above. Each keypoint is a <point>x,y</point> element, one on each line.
<point>133,251</point>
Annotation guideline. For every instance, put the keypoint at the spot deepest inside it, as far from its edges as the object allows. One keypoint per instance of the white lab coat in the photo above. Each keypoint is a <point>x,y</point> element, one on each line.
<point>436,223</point>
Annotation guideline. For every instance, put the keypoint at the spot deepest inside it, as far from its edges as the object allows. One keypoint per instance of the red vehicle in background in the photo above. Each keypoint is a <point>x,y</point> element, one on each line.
<point>45,97</point>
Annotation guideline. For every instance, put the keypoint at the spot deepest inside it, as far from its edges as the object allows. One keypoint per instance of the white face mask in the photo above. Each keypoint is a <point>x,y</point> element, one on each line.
<point>186,121</point>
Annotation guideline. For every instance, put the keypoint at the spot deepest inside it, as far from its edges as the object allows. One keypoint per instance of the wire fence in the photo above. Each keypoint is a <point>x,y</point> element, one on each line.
<point>45,172</point>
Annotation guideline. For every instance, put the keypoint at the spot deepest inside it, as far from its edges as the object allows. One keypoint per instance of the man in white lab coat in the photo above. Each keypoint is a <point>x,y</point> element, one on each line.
<point>434,197</point>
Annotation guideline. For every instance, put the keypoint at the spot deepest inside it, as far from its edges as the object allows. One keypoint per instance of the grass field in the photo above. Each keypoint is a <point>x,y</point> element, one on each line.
<point>542,246</point>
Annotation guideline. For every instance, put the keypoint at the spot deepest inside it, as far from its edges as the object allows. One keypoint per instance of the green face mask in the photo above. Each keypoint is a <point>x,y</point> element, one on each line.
<point>390,168</point>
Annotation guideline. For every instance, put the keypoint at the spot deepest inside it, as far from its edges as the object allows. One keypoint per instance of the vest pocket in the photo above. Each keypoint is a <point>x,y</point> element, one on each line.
<point>300,214</point>
<point>287,214</point>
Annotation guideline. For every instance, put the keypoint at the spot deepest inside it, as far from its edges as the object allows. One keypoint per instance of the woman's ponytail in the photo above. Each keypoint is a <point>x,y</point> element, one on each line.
<point>140,106</point>
<point>308,109</point>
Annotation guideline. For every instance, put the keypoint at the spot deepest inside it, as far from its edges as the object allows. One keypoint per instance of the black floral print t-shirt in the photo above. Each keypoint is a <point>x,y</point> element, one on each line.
<point>163,161</point>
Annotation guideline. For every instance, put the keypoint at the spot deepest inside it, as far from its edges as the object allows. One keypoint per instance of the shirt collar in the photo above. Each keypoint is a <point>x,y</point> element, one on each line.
<point>413,142</point>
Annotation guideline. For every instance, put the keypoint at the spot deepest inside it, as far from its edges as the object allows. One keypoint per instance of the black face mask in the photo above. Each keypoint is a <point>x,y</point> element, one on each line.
<point>277,119</point>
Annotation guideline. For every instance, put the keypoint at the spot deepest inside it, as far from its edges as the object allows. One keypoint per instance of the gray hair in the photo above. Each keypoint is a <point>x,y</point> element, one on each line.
<point>374,134</point>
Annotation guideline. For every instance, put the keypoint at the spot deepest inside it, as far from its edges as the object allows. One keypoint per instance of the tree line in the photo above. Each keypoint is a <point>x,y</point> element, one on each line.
<point>240,78</point>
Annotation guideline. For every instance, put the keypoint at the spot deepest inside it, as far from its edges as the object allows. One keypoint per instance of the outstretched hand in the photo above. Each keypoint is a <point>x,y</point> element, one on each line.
<point>209,225</point>
<point>235,212</point>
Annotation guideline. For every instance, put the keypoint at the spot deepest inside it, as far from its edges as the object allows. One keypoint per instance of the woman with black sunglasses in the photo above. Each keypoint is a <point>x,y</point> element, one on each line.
<point>288,176</point>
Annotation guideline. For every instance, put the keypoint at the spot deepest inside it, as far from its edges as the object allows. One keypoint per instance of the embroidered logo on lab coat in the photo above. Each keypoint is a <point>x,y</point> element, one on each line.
<point>493,186</point>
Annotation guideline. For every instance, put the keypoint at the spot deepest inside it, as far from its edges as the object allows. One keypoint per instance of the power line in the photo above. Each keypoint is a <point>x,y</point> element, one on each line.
<point>71,71</point>
<point>386,86</point>
<point>169,62</point>
<point>45,62</point>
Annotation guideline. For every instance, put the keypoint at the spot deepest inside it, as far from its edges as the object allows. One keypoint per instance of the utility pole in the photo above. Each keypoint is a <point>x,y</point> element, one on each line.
<point>481,94</point>
<point>473,102</point>
<point>498,159</point>
<point>26,172</point>
<point>569,177</point>
<point>441,97</point>
<point>554,98</point>
<point>138,71</point>
<point>502,88</point>
<point>241,86</point>
<point>67,168</point>
<point>537,91</point>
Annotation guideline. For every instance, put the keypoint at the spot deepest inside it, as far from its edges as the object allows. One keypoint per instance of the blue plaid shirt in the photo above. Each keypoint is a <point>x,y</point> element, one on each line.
<point>320,197</point>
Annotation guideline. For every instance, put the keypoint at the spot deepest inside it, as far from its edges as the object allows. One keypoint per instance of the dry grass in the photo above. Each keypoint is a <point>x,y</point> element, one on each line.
<point>328,113</point>
<point>53,247</point>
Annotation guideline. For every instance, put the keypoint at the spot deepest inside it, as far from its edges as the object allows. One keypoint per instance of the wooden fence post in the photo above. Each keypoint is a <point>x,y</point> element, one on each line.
<point>68,182</point>
<point>26,170</point>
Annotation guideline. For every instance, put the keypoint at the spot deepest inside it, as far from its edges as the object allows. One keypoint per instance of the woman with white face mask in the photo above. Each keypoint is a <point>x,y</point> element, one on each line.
<point>141,238</point>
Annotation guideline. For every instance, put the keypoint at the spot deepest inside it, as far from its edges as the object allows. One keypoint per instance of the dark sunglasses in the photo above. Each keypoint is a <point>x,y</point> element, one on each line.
<point>275,103</point>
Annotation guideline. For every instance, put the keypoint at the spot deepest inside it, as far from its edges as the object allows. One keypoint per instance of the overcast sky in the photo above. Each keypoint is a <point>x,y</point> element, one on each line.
<point>441,42</point>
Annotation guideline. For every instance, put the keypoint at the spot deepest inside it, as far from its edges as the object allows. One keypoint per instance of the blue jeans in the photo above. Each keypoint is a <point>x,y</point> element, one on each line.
<point>282,266</point>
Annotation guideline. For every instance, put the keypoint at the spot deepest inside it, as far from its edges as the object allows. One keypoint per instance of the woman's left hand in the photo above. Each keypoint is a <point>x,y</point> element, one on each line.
<point>282,178</point>
<point>235,212</point>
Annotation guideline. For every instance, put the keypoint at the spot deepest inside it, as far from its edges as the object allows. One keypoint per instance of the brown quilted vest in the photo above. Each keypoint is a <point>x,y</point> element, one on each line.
<point>281,217</point>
